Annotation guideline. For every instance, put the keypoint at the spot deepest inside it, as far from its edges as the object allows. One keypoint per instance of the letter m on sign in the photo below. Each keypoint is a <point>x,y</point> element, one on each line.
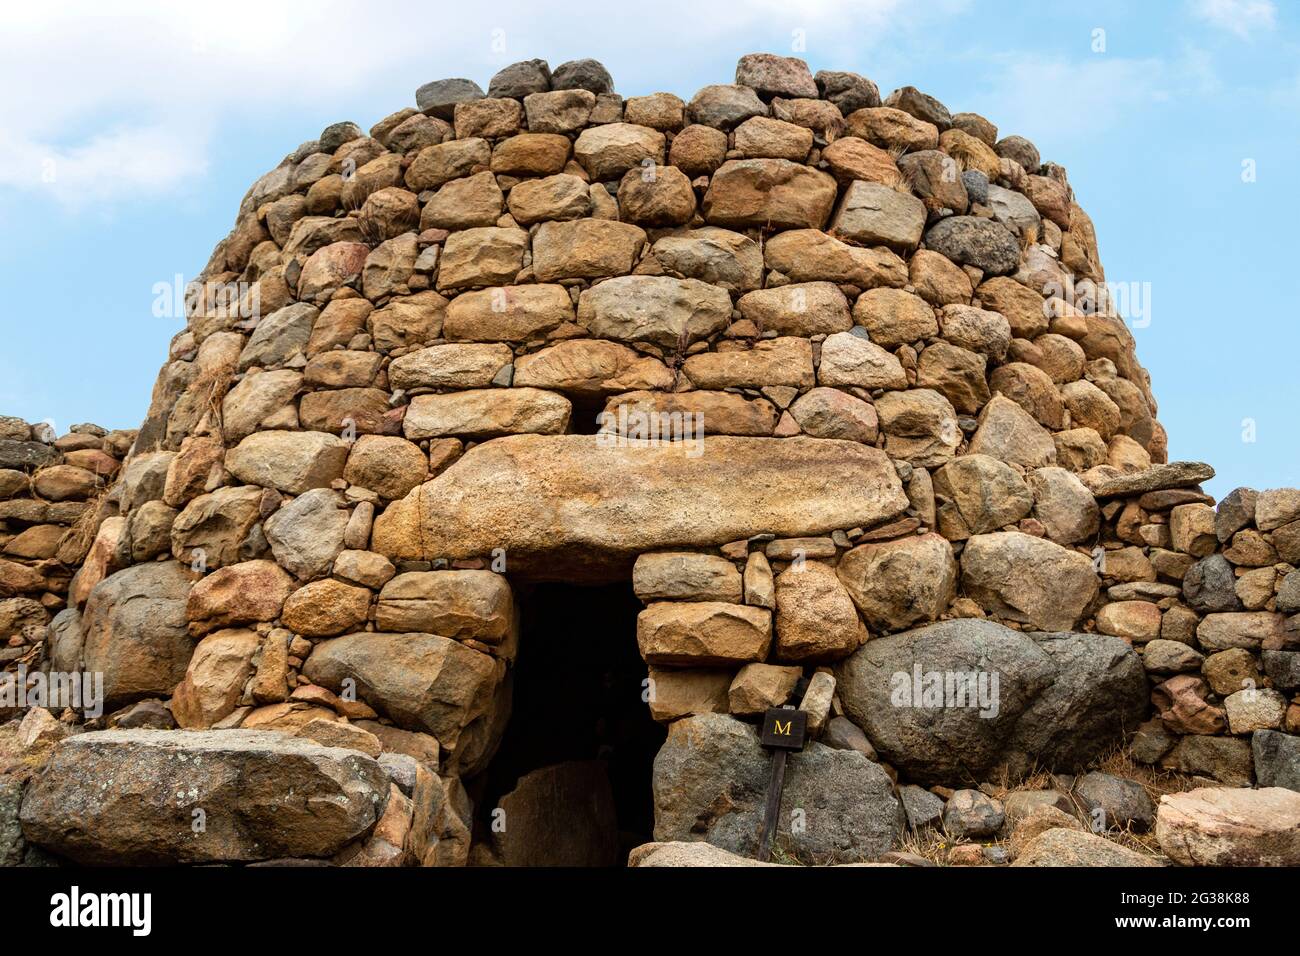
<point>785,729</point>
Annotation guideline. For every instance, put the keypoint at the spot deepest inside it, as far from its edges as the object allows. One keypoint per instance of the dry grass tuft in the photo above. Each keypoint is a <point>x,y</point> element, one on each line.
<point>81,534</point>
<point>904,180</point>
<point>962,153</point>
<point>373,231</point>
<point>934,844</point>
<point>930,843</point>
<point>1028,237</point>
<point>779,855</point>
<point>210,389</point>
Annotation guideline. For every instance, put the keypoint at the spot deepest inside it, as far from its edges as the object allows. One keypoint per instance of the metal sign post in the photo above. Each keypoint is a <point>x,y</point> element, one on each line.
<point>784,729</point>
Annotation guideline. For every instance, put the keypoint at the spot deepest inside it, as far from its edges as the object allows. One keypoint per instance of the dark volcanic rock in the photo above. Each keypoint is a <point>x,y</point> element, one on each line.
<point>1115,802</point>
<point>982,243</point>
<point>848,91</point>
<point>23,455</point>
<point>585,74</point>
<point>1277,759</point>
<point>440,97</point>
<point>519,79</point>
<point>1052,699</point>
<point>1210,585</point>
<point>710,781</point>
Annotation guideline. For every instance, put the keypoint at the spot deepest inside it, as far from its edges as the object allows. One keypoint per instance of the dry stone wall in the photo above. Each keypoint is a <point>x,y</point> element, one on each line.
<point>834,381</point>
<point>53,498</point>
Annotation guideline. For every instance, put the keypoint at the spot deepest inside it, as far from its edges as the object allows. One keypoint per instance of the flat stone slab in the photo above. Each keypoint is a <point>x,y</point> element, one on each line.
<point>562,505</point>
<point>1224,826</point>
<point>1062,847</point>
<point>1176,474</point>
<point>678,853</point>
<point>163,797</point>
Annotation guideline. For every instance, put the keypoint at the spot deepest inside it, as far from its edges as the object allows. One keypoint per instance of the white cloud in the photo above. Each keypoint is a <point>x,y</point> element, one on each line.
<point>1060,100</point>
<point>1240,17</point>
<point>1198,69</point>
<point>125,98</point>
<point>113,165</point>
<point>1064,101</point>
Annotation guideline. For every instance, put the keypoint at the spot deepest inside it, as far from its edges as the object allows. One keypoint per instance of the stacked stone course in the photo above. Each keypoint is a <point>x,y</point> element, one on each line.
<point>53,498</point>
<point>919,411</point>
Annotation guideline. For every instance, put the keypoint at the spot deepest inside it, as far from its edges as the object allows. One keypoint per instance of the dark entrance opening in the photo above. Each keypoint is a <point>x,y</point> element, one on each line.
<point>585,417</point>
<point>578,685</point>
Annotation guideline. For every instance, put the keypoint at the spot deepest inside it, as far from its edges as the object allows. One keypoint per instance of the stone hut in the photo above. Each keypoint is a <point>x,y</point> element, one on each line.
<point>520,453</point>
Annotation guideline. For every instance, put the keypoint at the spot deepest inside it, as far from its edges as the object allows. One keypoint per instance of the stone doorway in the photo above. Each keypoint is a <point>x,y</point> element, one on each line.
<point>573,771</point>
<point>584,419</point>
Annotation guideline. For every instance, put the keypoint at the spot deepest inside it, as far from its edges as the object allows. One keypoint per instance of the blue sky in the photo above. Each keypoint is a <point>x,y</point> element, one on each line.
<point>132,130</point>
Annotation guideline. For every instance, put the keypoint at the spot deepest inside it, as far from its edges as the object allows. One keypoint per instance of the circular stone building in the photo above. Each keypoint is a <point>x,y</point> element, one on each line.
<point>520,453</point>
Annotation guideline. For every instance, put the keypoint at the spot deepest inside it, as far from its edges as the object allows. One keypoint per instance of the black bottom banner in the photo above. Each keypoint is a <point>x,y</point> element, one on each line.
<point>210,904</point>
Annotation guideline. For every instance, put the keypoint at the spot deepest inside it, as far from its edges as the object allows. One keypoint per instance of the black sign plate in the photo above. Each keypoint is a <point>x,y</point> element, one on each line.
<point>785,729</point>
